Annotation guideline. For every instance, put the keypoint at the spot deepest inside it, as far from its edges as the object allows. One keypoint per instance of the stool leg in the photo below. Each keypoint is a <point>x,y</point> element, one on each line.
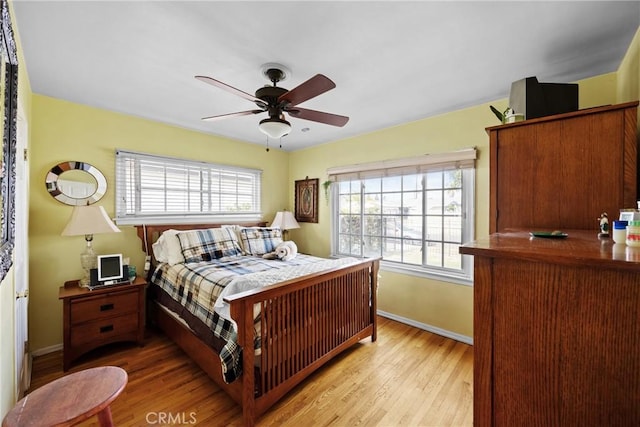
<point>104,417</point>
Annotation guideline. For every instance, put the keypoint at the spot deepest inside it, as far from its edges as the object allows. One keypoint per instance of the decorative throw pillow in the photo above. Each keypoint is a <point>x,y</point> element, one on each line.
<point>208,244</point>
<point>235,228</point>
<point>258,241</point>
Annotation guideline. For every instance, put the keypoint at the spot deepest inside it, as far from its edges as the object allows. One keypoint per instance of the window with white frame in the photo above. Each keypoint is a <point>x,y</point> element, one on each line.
<point>414,213</point>
<point>152,188</point>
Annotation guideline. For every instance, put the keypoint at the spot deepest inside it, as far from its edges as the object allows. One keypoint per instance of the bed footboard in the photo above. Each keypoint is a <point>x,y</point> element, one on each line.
<point>304,323</point>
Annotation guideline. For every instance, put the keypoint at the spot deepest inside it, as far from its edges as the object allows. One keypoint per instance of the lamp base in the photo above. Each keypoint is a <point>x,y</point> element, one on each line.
<point>84,282</point>
<point>88,260</point>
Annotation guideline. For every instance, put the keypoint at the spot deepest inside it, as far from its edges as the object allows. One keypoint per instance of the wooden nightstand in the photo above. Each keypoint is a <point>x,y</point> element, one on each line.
<point>103,316</point>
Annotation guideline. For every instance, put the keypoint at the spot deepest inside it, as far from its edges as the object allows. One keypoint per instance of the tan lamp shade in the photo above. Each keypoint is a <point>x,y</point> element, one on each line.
<point>285,221</point>
<point>89,220</point>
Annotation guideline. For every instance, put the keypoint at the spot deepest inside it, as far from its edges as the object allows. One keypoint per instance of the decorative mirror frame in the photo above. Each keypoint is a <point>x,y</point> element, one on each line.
<point>9,83</point>
<point>53,188</point>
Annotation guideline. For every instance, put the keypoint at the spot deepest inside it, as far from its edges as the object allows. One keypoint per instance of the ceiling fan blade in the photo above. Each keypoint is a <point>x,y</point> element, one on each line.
<point>230,115</point>
<point>313,87</point>
<point>318,116</point>
<point>231,89</point>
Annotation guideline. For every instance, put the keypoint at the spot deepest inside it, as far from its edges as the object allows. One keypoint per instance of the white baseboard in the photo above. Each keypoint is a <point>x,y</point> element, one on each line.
<point>46,350</point>
<point>433,329</point>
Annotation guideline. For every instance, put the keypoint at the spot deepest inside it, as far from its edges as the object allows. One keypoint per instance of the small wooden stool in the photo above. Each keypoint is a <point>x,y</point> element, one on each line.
<point>70,399</point>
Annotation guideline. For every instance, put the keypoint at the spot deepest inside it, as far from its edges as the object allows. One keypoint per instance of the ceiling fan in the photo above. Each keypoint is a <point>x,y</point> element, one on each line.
<point>276,101</point>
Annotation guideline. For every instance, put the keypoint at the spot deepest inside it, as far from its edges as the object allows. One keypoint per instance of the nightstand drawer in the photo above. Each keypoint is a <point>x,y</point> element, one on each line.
<point>103,331</point>
<point>103,306</point>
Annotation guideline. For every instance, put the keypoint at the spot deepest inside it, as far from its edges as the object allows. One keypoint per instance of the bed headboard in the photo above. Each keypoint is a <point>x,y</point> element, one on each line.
<point>149,234</point>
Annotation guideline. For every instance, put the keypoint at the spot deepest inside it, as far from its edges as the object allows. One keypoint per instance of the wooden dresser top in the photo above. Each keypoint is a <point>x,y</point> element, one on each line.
<point>581,247</point>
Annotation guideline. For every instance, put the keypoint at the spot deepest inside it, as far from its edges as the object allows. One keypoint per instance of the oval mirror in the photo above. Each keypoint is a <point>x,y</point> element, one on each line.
<point>76,183</point>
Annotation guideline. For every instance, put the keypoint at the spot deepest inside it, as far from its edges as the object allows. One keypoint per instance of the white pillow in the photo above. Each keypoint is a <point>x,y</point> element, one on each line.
<point>159,250</point>
<point>172,248</point>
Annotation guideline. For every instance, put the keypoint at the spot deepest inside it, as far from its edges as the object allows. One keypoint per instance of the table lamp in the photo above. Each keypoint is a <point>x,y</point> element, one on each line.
<point>87,221</point>
<point>285,221</point>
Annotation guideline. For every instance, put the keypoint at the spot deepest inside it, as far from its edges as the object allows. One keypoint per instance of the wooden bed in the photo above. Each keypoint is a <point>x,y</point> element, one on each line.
<point>305,323</point>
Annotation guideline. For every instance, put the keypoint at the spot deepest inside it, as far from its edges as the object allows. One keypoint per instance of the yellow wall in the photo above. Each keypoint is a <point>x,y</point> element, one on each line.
<point>434,303</point>
<point>63,131</point>
<point>629,73</point>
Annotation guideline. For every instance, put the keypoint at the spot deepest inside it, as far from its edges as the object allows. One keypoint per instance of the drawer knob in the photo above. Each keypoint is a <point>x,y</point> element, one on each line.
<point>106,307</point>
<point>107,328</point>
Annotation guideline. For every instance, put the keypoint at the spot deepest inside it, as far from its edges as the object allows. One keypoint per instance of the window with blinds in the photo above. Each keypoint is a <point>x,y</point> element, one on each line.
<point>414,213</point>
<point>152,188</point>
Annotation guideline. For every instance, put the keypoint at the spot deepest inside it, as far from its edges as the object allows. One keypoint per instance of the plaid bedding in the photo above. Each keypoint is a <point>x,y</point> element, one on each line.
<point>208,244</point>
<point>260,240</point>
<point>199,287</point>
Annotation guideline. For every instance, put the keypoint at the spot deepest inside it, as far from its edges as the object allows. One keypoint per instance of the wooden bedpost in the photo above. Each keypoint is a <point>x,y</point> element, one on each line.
<point>375,266</point>
<point>243,316</point>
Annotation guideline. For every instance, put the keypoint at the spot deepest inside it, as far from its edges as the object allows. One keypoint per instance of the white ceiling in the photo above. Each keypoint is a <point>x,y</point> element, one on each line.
<point>393,62</point>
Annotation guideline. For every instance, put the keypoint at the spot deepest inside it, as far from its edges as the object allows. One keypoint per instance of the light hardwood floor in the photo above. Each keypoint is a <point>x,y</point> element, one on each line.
<point>408,377</point>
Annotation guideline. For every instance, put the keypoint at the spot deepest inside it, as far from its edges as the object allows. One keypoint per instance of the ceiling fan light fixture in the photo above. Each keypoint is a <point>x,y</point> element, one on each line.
<point>274,128</point>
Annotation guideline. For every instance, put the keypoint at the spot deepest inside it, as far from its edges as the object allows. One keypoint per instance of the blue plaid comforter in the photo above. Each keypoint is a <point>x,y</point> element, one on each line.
<point>198,288</point>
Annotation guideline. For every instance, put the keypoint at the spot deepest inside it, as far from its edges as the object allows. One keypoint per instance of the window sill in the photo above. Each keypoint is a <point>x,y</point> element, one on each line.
<point>458,279</point>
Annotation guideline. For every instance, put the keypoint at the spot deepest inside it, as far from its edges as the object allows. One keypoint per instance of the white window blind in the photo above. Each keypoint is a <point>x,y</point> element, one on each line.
<point>460,159</point>
<point>152,188</point>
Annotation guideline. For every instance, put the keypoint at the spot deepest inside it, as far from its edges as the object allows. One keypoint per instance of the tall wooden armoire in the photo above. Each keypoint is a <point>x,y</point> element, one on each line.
<point>563,171</point>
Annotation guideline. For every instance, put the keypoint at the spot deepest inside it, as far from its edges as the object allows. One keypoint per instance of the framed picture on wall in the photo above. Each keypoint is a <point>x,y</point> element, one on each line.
<point>307,200</point>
